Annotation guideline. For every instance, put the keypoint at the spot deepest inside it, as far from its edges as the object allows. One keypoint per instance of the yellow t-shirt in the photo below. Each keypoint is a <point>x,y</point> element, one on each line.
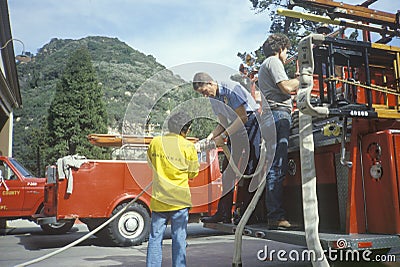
<point>174,161</point>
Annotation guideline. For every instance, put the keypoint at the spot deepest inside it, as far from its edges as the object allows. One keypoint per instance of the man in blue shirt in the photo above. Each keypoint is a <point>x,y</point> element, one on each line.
<point>238,126</point>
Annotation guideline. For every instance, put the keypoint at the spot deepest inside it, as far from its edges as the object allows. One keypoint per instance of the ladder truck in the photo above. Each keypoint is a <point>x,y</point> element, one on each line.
<point>350,91</point>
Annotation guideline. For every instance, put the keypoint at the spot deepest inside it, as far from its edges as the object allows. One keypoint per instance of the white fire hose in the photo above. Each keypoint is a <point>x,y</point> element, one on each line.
<point>237,253</point>
<point>308,174</point>
<point>309,192</point>
<point>83,238</point>
<point>205,144</point>
<point>309,183</point>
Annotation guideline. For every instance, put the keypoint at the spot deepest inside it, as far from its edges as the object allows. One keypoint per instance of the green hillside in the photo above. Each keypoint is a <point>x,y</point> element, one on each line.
<point>120,69</point>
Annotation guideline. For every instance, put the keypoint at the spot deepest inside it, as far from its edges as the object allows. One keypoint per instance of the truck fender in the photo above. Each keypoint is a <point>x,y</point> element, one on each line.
<point>126,197</point>
<point>38,206</point>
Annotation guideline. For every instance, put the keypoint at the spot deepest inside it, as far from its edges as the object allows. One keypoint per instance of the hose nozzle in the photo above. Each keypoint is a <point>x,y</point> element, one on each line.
<point>204,145</point>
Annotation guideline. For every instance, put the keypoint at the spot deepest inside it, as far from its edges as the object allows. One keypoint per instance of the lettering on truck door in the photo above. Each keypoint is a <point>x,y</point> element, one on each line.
<point>11,190</point>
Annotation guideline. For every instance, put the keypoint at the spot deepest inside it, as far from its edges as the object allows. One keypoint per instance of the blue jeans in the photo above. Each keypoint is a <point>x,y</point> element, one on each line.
<point>159,221</point>
<point>277,172</point>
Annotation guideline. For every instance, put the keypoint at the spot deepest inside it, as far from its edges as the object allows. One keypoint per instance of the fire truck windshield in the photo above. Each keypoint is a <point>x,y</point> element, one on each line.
<point>24,172</point>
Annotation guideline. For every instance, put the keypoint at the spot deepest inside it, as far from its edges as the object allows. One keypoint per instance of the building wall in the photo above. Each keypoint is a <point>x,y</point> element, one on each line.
<point>6,129</point>
<point>6,137</point>
<point>10,96</point>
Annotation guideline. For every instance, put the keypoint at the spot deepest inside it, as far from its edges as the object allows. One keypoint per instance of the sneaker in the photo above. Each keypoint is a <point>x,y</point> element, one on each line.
<point>279,224</point>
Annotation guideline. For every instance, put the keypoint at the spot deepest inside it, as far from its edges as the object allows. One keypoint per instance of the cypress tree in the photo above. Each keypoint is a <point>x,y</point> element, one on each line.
<point>77,110</point>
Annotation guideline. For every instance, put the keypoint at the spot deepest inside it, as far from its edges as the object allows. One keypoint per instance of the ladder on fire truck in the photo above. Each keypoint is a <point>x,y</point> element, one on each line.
<point>354,85</point>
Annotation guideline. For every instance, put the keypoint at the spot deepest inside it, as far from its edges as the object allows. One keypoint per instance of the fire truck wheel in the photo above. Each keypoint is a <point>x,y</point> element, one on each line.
<point>93,223</point>
<point>132,227</point>
<point>58,228</point>
<point>3,224</point>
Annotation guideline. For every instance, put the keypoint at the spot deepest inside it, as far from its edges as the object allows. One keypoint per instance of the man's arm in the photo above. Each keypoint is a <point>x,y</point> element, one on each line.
<point>235,126</point>
<point>223,122</point>
<point>289,86</point>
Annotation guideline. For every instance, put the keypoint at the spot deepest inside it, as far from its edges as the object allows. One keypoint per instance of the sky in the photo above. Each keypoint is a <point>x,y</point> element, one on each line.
<point>175,32</point>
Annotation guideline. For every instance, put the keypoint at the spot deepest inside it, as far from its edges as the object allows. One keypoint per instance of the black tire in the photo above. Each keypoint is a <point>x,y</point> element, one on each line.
<point>131,228</point>
<point>3,224</point>
<point>93,224</point>
<point>58,228</point>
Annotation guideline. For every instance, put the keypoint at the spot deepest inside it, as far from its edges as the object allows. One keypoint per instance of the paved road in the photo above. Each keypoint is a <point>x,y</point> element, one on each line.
<point>24,241</point>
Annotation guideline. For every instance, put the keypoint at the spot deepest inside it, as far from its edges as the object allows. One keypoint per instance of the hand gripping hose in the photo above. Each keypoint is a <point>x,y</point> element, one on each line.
<point>308,174</point>
<point>76,242</point>
<point>206,144</point>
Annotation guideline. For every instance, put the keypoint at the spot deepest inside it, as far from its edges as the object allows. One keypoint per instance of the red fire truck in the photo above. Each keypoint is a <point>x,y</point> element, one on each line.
<point>21,196</point>
<point>96,190</point>
<point>351,89</point>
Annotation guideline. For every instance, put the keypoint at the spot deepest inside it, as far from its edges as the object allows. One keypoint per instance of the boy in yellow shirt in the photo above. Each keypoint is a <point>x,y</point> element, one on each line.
<point>174,161</point>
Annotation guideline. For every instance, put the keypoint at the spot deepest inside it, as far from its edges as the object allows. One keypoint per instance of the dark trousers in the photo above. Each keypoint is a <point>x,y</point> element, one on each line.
<point>245,152</point>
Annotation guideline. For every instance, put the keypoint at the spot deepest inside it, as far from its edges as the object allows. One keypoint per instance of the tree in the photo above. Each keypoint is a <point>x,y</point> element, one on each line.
<point>76,110</point>
<point>293,28</point>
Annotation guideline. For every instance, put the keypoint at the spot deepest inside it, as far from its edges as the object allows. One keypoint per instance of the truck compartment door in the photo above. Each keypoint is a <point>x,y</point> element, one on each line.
<point>380,157</point>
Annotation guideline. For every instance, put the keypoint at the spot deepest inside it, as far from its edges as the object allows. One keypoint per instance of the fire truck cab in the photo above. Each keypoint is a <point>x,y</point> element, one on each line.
<point>22,195</point>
